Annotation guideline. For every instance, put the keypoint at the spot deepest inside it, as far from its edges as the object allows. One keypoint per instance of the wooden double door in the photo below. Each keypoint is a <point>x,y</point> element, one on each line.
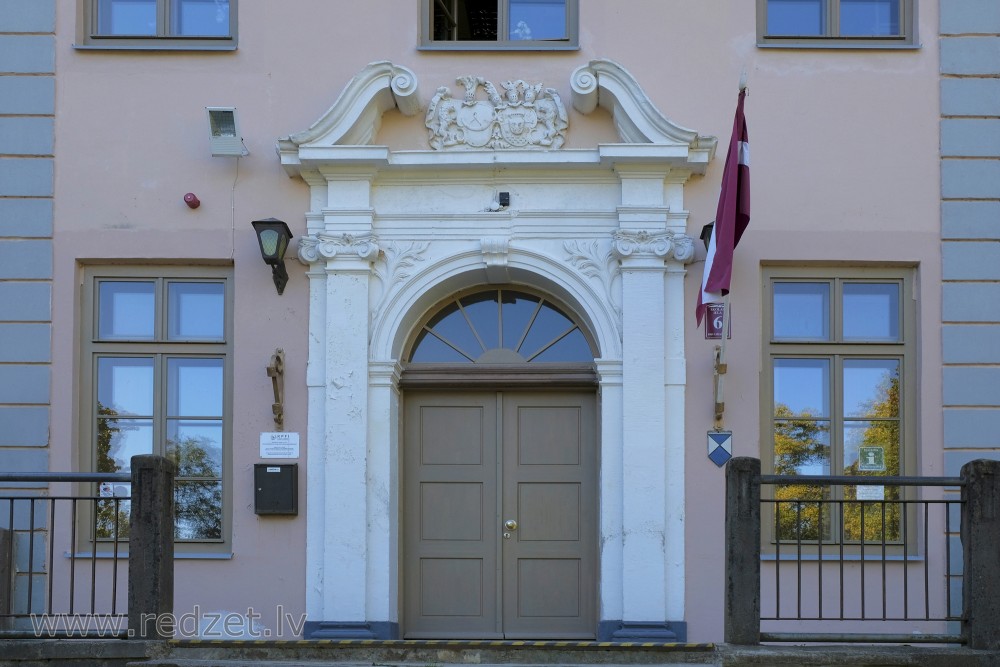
<point>500,512</point>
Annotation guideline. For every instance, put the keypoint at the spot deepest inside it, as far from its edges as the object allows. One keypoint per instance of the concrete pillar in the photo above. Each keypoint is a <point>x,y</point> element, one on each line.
<point>151,548</point>
<point>981,552</point>
<point>742,608</point>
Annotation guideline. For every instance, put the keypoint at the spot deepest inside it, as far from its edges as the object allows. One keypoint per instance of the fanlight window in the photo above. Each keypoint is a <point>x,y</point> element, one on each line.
<point>500,326</point>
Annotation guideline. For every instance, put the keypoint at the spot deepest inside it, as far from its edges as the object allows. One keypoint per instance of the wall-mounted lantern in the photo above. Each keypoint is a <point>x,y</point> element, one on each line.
<point>706,233</point>
<point>273,236</point>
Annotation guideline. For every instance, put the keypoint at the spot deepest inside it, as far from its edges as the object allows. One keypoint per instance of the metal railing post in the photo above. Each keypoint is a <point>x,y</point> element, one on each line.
<point>981,550</point>
<point>6,575</point>
<point>151,548</point>
<point>742,612</point>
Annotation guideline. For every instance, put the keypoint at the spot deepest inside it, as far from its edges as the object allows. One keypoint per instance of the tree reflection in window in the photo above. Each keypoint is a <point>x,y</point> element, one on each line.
<point>112,517</point>
<point>197,489</point>
<point>801,443</point>
<point>500,326</point>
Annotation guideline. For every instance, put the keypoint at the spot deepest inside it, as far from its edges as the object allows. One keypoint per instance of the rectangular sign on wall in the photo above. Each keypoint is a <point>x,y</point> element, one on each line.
<point>713,321</point>
<point>279,445</point>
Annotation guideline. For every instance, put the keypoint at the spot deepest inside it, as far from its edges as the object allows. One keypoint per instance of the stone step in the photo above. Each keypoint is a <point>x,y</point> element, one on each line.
<point>194,662</point>
<point>203,653</point>
<point>417,654</point>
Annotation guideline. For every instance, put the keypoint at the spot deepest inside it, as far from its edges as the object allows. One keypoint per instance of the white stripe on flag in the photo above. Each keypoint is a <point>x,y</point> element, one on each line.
<point>709,297</point>
<point>744,154</point>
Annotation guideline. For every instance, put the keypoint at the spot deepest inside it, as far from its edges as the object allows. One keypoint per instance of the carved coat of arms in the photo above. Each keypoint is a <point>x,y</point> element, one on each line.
<point>525,116</point>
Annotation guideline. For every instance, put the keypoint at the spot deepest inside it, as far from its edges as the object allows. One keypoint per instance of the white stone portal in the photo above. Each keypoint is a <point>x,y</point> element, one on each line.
<point>390,234</point>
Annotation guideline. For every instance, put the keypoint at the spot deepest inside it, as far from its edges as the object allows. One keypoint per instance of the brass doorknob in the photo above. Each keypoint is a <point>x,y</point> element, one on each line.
<point>510,524</point>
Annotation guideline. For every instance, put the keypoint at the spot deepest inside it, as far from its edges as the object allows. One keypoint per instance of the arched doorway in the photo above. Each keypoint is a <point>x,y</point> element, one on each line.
<point>500,470</point>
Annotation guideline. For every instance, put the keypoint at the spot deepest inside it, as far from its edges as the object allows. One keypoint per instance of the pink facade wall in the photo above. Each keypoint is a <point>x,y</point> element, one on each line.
<point>844,169</point>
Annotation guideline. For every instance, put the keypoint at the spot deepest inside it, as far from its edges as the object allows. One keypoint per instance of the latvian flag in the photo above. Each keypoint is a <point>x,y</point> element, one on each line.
<point>731,218</point>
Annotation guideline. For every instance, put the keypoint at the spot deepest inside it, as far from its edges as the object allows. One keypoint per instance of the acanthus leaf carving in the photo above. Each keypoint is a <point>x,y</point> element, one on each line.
<point>395,266</point>
<point>600,264</point>
<point>525,116</point>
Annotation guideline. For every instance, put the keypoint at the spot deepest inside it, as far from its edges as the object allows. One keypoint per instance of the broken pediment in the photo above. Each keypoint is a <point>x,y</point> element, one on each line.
<point>355,117</point>
<point>498,121</point>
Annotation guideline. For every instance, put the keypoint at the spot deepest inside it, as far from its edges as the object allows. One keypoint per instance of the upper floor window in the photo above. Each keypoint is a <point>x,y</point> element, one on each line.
<point>499,24</point>
<point>158,24</point>
<point>836,23</point>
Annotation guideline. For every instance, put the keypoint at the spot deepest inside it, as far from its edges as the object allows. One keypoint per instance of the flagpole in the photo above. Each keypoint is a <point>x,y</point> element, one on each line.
<point>721,367</point>
<point>731,220</point>
<point>720,350</point>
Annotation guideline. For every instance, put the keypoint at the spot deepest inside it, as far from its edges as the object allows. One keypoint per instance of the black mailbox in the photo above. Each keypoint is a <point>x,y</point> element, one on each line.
<point>276,488</point>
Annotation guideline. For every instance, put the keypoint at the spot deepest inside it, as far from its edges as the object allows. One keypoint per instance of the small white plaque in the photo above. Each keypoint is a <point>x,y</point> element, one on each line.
<point>871,492</point>
<point>279,445</point>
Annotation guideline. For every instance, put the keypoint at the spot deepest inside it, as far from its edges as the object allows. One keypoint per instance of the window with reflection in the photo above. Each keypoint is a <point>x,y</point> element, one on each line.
<point>856,23</point>
<point>158,350</point>
<point>155,24</point>
<point>837,396</point>
<point>500,326</point>
<point>492,24</point>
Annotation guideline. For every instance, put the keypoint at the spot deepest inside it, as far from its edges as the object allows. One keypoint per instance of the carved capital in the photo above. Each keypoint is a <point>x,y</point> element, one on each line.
<point>665,245</point>
<point>328,246</point>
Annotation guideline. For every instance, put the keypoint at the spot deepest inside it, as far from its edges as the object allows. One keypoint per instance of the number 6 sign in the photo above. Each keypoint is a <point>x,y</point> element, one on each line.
<point>713,323</point>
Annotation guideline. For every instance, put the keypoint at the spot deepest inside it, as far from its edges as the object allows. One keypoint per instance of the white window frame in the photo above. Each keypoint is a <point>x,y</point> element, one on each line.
<point>89,35</point>
<point>427,41</point>
<point>161,349</point>
<point>907,39</point>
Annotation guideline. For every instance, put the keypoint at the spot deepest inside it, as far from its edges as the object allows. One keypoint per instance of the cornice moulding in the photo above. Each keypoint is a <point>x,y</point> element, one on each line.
<point>605,156</point>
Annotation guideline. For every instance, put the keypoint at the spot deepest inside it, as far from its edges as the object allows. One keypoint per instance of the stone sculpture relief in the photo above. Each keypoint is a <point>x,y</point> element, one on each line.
<point>525,116</point>
<point>599,263</point>
<point>393,267</point>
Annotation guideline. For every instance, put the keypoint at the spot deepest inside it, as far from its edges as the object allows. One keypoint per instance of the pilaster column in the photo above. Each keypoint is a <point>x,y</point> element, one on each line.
<point>337,583</point>
<point>382,601</point>
<point>652,433</point>
<point>674,445</point>
<point>315,445</point>
<point>609,374</point>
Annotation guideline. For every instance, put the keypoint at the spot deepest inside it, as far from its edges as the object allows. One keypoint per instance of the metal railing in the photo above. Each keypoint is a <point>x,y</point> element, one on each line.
<point>851,566</point>
<point>42,591</point>
<point>885,571</point>
<point>86,565</point>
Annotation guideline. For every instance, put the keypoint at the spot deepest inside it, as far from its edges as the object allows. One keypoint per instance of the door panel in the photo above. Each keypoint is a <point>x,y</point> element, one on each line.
<point>549,479</point>
<point>469,455</point>
<point>450,505</point>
